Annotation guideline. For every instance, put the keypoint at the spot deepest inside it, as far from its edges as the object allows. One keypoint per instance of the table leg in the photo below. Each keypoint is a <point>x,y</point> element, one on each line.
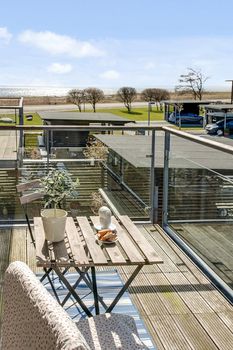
<point>45,275</point>
<point>82,276</point>
<point>89,283</point>
<point>47,272</point>
<point>95,292</point>
<point>123,289</point>
<point>73,292</point>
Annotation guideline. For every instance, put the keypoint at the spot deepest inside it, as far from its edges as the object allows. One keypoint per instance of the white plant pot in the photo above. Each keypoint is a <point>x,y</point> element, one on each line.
<point>54,222</point>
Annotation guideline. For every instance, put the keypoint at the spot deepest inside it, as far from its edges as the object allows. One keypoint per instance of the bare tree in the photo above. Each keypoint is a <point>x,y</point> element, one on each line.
<point>76,96</point>
<point>193,82</point>
<point>93,96</point>
<point>155,95</point>
<point>127,95</point>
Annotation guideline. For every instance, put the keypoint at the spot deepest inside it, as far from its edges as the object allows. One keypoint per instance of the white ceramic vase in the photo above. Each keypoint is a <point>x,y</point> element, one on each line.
<point>105,217</point>
<point>54,222</point>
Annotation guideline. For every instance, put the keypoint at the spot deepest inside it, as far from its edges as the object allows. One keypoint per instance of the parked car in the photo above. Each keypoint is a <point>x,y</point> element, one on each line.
<point>218,127</point>
<point>187,118</point>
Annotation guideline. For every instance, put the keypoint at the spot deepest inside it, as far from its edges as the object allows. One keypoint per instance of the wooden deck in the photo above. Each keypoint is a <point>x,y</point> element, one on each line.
<point>181,308</point>
<point>9,145</point>
<point>214,243</point>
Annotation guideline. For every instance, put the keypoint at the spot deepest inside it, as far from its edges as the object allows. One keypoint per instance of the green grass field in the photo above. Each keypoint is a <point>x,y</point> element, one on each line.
<point>36,120</point>
<point>140,114</point>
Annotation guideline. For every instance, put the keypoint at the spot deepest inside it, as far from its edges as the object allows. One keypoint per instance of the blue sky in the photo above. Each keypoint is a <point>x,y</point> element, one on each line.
<point>103,43</point>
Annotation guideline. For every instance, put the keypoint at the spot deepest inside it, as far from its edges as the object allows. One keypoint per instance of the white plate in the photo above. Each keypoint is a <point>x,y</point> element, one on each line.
<point>106,242</point>
<point>112,227</point>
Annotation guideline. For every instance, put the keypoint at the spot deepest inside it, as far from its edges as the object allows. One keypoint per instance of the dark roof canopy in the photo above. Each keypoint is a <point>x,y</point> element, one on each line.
<point>81,118</point>
<point>199,102</point>
<point>219,107</point>
<point>184,154</point>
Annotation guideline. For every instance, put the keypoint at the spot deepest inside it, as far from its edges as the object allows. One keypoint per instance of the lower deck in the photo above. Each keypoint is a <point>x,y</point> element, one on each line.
<point>180,307</point>
<point>213,242</point>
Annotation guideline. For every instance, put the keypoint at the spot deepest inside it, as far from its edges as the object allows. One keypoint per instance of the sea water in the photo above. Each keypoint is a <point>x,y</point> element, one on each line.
<point>17,91</point>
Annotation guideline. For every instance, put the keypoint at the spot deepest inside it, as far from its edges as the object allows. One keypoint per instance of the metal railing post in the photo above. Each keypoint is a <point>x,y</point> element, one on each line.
<point>166,176</point>
<point>21,132</point>
<point>48,148</point>
<point>154,206</point>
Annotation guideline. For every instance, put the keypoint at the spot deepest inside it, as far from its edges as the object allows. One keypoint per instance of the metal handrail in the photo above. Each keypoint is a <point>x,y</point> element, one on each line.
<point>185,135</point>
<point>205,142</point>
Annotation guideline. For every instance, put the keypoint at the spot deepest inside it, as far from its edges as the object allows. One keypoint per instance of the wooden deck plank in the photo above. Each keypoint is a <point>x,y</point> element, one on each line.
<point>169,333</point>
<point>149,299</point>
<point>168,249</point>
<point>227,318</point>
<point>5,244</point>
<point>157,342</point>
<point>168,265</point>
<point>217,330</point>
<point>200,277</point>
<point>207,256</point>
<point>213,248</point>
<point>4,142</point>
<point>215,236</point>
<point>195,335</point>
<point>224,229</point>
<point>174,305</point>
<point>141,241</point>
<point>167,294</point>
<point>191,267</point>
<point>18,245</point>
<point>188,293</point>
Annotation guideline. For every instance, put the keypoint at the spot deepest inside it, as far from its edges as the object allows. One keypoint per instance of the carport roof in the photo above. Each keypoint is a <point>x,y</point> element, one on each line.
<point>219,107</point>
<point>184,154</point>
<point>84,117</point>
<point>187,101</point>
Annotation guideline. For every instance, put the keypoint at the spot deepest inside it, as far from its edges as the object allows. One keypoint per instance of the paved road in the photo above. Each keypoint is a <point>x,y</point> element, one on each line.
<point>71,107</point>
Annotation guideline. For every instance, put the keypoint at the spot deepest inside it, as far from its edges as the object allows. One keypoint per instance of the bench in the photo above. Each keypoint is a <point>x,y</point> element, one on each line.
<point>33,319</point>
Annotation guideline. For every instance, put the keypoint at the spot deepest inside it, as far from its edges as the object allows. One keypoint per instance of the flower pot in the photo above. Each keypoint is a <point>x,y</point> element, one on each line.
<point>54,222</point>
<point>74,208</point>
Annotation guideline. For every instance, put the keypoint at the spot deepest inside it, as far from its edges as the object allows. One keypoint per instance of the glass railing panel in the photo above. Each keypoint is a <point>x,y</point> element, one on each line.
<point>200,202</point>
<point>113,169</point>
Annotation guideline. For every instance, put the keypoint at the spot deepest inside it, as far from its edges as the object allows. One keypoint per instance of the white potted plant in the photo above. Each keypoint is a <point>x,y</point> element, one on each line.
<point>56,186</point>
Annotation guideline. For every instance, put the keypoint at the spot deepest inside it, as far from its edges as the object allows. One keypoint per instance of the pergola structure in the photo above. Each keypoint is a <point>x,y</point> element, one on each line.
<point>68,138</point>
<point>188,106</point>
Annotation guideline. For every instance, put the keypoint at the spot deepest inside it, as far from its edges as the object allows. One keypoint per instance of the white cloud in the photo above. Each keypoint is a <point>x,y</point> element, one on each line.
<point>149,65</point>
<point>59,68</point>
<point>5,35</point>
<point>110,75</point>
<point>57,44</point>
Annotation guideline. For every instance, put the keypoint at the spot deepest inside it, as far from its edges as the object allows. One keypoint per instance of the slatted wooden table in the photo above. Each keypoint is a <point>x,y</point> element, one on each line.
<point>81,250</point>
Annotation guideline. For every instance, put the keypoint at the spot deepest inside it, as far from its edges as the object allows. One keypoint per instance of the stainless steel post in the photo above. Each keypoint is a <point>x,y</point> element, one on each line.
<point>48,147</point>
<point>166,176</point>
<point>153,212</point>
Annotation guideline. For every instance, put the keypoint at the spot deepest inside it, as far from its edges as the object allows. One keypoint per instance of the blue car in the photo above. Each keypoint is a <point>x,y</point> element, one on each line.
<point>187,118</point>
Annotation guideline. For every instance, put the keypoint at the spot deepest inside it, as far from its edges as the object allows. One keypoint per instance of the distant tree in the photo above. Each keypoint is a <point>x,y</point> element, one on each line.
<point>127,95</point>
<point>193,82</point>
<point>155,95</point>
<point>76,96</point>
<point>93,96</point>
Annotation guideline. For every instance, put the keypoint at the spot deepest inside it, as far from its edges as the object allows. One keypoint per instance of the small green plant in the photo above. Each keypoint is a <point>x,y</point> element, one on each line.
<point>57,185</point>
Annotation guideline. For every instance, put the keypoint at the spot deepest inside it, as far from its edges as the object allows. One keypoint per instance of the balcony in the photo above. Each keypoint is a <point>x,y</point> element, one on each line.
<point>176,187</point>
